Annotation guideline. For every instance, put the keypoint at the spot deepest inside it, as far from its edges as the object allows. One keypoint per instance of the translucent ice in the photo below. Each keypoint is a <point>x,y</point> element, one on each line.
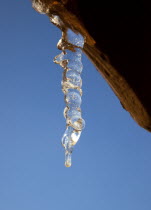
<point>71,44</point>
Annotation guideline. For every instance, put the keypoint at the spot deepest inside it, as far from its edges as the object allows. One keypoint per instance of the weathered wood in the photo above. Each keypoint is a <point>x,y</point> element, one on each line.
<point>121,88</point>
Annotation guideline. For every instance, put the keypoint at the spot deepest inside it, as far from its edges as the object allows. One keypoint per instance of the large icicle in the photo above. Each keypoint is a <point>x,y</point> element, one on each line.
<point>71,44</point>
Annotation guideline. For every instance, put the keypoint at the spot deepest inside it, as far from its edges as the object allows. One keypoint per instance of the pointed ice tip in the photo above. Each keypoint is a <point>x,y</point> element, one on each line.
<point>68,160</point>
<point>68,165</point>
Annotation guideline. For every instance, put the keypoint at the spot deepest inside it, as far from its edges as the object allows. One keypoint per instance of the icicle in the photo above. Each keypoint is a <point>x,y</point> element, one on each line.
<point>71,44</point>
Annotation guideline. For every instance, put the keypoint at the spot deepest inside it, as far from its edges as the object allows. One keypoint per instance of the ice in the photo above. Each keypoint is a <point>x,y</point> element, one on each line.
<point>71,44</point>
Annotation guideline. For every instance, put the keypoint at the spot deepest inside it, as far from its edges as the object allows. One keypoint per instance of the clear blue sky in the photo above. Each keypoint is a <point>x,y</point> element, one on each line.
<point>112,161</point>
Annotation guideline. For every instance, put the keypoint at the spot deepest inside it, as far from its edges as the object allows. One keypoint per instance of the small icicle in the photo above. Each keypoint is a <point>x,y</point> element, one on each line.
<point>71,44</point>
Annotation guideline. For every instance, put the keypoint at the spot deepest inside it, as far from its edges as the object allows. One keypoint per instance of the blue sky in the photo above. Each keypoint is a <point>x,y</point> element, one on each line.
<point>112,161</point>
